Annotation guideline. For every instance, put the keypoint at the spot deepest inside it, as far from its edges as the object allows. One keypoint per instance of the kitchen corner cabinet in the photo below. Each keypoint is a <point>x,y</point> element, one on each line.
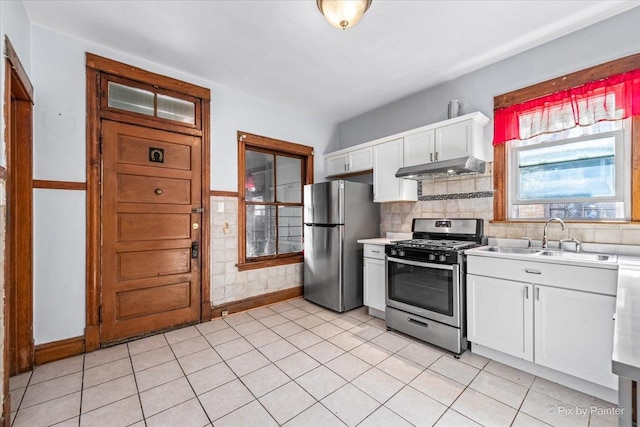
<point>373,275</point>
<point>557,316</point>
<point>388,157</point>
<point>350,162</point>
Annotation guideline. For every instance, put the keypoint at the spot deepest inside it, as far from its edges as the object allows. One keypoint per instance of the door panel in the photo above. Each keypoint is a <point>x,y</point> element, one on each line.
<point>138,151</point>
<point>153,189</point>
<point>133,226</point>
<point>150,281</point>
<point>136,265</point>
<point>323,265</point>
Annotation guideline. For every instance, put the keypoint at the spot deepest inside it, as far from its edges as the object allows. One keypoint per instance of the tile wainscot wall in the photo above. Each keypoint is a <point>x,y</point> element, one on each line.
<point>229,284</point>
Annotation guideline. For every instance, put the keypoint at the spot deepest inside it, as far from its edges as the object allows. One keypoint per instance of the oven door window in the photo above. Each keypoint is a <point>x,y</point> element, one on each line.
<point>424,287</point>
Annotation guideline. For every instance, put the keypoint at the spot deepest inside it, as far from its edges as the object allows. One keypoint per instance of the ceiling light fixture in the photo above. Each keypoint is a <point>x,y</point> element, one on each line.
<point>343,14</point>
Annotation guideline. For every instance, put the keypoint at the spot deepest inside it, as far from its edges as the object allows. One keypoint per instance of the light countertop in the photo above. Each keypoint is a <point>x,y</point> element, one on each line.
<point>391,237</point>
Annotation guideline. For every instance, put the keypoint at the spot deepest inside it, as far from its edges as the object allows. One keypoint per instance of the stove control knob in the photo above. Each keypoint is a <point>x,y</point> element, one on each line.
<point>442,258</point>
<point>394,252</point>
<point>432,257</point>
<point>401,252</point>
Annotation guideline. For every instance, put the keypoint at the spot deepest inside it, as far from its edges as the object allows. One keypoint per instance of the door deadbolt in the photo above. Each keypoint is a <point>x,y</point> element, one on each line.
<point>195,226</point>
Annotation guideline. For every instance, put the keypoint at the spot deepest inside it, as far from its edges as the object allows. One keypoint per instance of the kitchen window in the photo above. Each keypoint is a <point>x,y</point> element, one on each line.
<point>578,174</point>
<point>570,147</point>
<point>271,179</point>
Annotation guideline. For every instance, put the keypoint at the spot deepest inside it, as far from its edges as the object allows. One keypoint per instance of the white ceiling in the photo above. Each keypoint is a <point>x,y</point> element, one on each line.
<point>285,52</point>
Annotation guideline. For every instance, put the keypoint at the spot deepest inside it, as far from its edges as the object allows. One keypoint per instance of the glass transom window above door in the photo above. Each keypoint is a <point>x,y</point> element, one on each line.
<point>273,203</point>
<point>150,103</point>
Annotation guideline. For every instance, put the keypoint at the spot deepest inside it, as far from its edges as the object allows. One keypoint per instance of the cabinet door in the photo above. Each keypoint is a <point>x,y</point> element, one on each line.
<point>574,333</point>
<point>500,315</point>
<point>454,140</point>
<point>360,160</point>
<point>336,165</point>
<point>419,148</point>
<point>387,159</point>
<point>374,283</point>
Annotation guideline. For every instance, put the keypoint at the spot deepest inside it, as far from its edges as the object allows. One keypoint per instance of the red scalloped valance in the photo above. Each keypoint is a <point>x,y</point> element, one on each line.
<point>614,98</point>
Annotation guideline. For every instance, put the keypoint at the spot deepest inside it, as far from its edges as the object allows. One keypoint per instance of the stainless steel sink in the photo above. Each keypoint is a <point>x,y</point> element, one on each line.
<point>584,256</point>
<point>548,253</point>
<point>509,250</point>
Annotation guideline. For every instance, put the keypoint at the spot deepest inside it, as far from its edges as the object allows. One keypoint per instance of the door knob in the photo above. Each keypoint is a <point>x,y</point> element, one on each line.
<point>158,191</point>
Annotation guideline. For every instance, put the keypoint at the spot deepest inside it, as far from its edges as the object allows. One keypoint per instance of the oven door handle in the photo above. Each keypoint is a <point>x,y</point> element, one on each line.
<point>420,264</point>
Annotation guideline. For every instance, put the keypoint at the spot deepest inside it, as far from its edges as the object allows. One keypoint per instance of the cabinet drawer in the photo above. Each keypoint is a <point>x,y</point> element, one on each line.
<point>374,251</point>
<point>587,279</point>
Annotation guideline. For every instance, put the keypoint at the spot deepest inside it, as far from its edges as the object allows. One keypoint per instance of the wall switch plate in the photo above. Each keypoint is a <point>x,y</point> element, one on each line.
<point>220,206</point>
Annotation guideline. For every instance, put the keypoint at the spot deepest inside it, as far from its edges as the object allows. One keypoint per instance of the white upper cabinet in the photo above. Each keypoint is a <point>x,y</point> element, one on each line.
<point>388,157</point>
<point>449,139</point>
<point>336,165</point>
<point>455,141</point>
<point>419,148</point>
<point>349,162</point>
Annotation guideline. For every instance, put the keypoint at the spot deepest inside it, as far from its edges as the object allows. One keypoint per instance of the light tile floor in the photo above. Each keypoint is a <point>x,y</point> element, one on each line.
<point>293,364</point>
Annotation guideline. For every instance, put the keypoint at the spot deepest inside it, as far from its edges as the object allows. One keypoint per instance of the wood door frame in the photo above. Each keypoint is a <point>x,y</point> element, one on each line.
<point>18,269</point>
<point>97,66</point>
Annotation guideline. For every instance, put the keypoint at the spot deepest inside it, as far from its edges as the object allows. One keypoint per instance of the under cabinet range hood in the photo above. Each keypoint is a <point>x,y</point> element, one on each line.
<point>459,166</point>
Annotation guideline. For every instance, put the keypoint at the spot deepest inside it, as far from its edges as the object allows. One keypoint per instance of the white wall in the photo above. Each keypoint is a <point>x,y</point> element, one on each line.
<point>59,154</point>
<point>15,23</point>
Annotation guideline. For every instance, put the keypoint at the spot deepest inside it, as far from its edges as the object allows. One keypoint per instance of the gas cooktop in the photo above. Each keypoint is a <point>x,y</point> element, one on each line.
<point>435,244</point>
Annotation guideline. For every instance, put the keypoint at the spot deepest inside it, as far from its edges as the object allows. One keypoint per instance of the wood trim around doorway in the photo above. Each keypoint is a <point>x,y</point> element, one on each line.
<point>96,68</point>
<point>18,351</point>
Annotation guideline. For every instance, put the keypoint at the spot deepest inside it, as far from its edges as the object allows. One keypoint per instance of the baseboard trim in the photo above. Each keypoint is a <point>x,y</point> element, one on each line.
<point>58,350</point>
<point>256,301</point>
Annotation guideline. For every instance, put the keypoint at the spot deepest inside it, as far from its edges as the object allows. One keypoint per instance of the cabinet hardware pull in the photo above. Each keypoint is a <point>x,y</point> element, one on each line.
<point>526,292</point>
<point>424,325</point>
<point>436,156</point>
<point>530,271</point>
<point>431,156</point>
<point>537,294</point>
<point>375,252</point>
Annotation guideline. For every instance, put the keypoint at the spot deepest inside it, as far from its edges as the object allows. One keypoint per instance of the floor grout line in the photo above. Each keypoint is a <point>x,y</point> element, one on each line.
<point>359,319</point>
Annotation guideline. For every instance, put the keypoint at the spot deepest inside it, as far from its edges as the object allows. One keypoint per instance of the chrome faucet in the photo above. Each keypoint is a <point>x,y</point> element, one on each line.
<point>544,234</point>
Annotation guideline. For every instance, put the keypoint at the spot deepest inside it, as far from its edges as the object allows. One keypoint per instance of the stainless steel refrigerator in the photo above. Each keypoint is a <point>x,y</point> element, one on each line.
<point>336,215</point>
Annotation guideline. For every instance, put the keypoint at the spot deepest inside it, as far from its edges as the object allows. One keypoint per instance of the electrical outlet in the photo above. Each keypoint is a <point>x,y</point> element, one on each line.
<point>225,313</point>
<point>220,207</point>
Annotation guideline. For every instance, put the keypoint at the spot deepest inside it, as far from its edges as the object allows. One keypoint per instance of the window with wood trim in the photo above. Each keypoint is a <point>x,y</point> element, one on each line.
<point>271,177</point>
<point>509,196</point>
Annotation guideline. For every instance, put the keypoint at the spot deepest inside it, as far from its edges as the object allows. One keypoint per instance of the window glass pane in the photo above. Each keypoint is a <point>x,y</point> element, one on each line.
<point>176,109</point>
<point>582,169</point>
<point>289,186</point>
<point>289,229</point>
<point>258,178</point>
<point>131,99</point>
<point>260,230</point>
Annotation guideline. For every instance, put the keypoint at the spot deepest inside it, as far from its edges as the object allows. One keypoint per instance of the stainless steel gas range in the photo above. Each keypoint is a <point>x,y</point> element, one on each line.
<point>425,280</point>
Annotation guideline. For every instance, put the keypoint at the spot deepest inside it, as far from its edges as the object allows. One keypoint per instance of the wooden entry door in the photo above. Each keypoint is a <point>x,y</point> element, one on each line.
<point>151,235</point>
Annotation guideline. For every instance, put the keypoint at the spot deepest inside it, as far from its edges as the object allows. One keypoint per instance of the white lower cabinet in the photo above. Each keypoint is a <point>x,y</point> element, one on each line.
<point>373,277</point>
<point>500,315</point>
<point>557,325</point>
<point>574,333</point>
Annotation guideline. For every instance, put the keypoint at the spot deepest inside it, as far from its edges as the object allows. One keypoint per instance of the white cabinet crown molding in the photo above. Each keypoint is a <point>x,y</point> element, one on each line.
<point>477,116</point>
